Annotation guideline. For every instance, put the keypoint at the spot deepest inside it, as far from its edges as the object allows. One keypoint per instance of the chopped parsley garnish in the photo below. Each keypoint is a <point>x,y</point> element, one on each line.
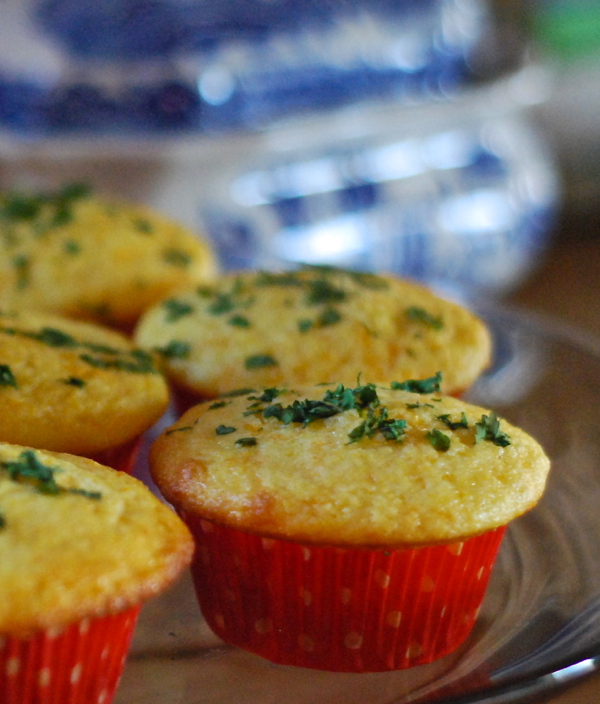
<point>454,424</point>
<point>217,404</point>
<point>176,310</point>
<point>223,303</point>
<point>266,278</point>
<point>74,381</point>
<point>225,429</point>
<point>29,469</point>
<point>305,324</point>
<point>439,440</point>
<point>239,321</point>
<point>257,361</point>
<point>71,247</point>
<point>21,264</point>
<point>183,428</point>
<point>7,378</point>
<point>134,361</point>
<point>329,317</point>
<point>420,315</point>
<point>53,338</point>
<point>323,291</point>
<point>177,257</point>
<point>176,349</point>
<point>143,226</point>
<point>488,428</point>
<point>237,392</point>
<point>390,428</point>
<point>2,521</point>
<point>246,442</point>
<point>419,386</point>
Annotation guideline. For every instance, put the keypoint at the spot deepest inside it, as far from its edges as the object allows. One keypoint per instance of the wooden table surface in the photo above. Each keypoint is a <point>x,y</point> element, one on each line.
<point>567,287</point>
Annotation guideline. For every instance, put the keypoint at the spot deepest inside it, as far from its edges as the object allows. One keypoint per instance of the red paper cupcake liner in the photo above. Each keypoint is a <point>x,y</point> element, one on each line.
<point>339,609</point>
<point>80,664</point>
<point>122,457</point>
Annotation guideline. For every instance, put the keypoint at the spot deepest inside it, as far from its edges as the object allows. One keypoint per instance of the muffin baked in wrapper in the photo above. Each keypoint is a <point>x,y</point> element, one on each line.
<point>359,538</point>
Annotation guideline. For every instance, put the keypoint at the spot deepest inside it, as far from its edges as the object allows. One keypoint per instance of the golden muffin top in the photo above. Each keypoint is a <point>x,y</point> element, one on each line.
<point>363,466</point>
<point>86,257</point>
<point>79,540</point>
<point>73,386</point>
<point>310,326</point>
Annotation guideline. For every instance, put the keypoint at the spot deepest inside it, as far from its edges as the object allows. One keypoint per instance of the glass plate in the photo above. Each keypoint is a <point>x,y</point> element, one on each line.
<point>540,623</point>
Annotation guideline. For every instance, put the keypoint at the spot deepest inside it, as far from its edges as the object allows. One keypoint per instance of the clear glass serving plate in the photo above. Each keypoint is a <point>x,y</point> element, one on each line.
<point>539,627</point>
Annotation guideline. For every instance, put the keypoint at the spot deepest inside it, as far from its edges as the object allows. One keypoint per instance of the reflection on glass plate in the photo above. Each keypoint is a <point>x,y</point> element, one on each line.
<point>540,624</point>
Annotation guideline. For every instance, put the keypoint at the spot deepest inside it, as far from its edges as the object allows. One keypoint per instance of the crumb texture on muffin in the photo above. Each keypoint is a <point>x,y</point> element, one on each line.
<point>309,326</point>
<point>401,469</point>
<point>79,540</point>
<point>73,386</point>
<point>88,257</point>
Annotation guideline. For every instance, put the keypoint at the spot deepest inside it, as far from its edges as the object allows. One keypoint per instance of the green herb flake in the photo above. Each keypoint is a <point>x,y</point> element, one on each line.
<point>420,315</point>
<point>7,378</point>
<point>305,325</point>
<point>29,469</point>
<point>217,404</point>
<point>239,321</point>
<point>21,265</point>
<point>223,303</point>
<point>237,392</point>
<point>53,338</point>
<point>246,442</point>
<point>439,440</point>
<point>329,317</point>
<point>454,424</point>
<point>176,349</point>
<point>2,522</point>
<point>182,429</point>
<point>323,291</point>
<point>177,257</point>
<point>71,247</point>
<point>143,226</point>
<point>419,386</point>
<point>266,278</point>
<point>488,428</point>
<point>74,381</point>
<point>225,429</point>
<point>176,309</point>
<point>259,361</point>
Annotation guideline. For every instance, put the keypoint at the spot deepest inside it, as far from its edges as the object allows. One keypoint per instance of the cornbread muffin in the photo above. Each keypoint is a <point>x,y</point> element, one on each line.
<point>81,548</point>
<point>87,257</point>
<point>344,512</point>
<point>312,326</point>
<point>72,386</point>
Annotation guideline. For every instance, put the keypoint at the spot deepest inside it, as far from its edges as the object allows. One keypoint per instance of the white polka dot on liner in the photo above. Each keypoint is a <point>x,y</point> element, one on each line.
<point>54,632</point>
<point>12,667</point>
<point>346,595</point>
<point>206,526</point>
<point>306,554</point>
<point>84,626</point>
<point>267,543</point>
<point>382,579</point>
<point>44,677</point>
<point>204,554</point>
<point>306,597</point>
<point>455,548</point>
<point>480,573</point>
<point>306,643</point>
<point>427,585</point>
<point>104,654</point>
<point>353,640</point>
<point>393,618</point>
<point>76,673</point>
<point>263,625</point>
<point>414,650</point>
<point>102,697</point>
